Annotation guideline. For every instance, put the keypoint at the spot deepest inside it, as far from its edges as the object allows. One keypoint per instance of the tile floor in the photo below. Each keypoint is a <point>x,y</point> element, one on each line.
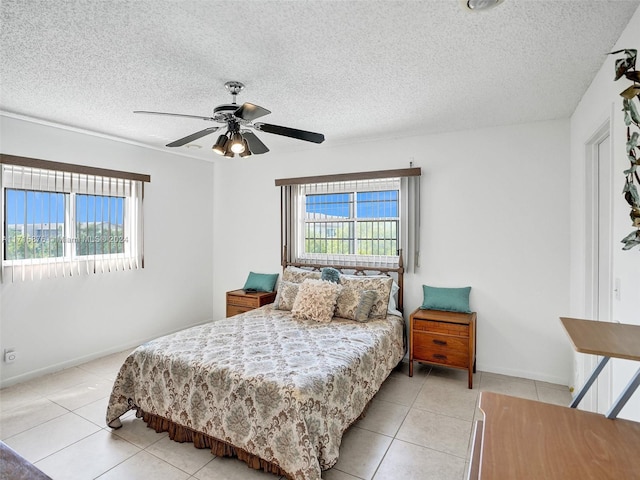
<point>415,428</point>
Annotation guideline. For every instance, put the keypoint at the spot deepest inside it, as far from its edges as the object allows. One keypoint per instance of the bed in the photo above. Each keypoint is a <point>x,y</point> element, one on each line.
<point>271,386</point>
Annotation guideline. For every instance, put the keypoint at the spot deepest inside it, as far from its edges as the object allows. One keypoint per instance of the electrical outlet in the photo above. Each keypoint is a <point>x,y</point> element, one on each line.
<point>10,355</point>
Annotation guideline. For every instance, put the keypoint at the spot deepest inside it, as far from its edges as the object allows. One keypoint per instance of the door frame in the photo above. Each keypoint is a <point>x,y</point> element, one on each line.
<point>596,281</point>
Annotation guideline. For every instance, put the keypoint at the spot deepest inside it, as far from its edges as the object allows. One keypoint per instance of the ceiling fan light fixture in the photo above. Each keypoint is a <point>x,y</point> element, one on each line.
<point>237,143</point>
<point>220,147</point>
<point>246,151</point>
<point>479,5</point>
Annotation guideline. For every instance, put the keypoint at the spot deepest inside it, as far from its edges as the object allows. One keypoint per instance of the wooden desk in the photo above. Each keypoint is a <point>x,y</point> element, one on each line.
<point>607,339</point>
<point>525,439</point>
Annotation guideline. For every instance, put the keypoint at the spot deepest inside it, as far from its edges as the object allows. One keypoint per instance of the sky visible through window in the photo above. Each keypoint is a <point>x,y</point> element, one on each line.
<point>362,223</point>
<point>36,224</point>
<point>382,204</point>
<point>39,207</point>
<point>49,207</point>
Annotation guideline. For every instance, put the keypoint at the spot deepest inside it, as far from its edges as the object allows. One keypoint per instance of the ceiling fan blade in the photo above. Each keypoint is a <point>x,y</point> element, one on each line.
<point>290,132</point>
<point>255,145</point>
<point>174,114</point>
<point>192,137</point>
<point>249,112</point>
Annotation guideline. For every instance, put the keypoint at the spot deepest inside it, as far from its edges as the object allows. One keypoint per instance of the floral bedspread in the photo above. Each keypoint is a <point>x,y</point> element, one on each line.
<point>279,388</point>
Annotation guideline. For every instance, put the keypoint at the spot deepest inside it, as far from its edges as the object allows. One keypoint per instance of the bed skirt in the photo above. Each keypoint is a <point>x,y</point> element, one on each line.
<point>181,434</point>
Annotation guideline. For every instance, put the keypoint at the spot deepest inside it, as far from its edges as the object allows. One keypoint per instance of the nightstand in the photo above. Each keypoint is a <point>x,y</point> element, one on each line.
<point>239,301</point>
<point>443,338</point>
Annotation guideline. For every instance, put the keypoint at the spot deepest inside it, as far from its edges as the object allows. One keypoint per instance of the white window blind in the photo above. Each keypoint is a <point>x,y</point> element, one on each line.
<point>352,219</point>
<point>60,223</point>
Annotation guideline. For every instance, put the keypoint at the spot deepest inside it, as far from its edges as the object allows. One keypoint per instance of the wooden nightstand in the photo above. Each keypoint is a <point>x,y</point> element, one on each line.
<point>239,301</point>
<point>443,338</point>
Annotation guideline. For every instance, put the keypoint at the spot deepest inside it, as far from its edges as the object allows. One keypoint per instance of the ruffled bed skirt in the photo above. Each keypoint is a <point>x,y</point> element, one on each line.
<point>181,434</point>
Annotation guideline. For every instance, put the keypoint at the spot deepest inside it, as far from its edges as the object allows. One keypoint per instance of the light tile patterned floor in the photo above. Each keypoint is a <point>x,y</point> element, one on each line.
<point>415,428</point>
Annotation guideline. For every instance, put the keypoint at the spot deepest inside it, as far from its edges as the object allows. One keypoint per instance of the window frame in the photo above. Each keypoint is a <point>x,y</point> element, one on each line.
<point>409,213</point>
<point>69,239</point>
<point>353,219</point>
<point>73,181</point>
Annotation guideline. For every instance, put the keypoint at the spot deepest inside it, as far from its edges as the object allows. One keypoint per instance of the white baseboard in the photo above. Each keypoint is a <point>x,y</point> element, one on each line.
<point>74,362</point>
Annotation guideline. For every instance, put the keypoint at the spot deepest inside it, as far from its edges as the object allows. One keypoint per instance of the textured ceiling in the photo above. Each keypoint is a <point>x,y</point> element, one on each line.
<point>353,70</point>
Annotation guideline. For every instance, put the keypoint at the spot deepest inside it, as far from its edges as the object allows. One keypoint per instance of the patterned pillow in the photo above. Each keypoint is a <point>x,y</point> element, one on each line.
<point>287,292</point>
<point>316,300</point>
<point>355,304</point>
<point>379,284</point>
<point>299,275</point>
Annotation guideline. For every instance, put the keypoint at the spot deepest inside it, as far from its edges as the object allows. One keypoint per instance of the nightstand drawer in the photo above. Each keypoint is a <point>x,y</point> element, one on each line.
<point>441,327</point>
<point>439,349</point>
<point>235,310</point>
<point>243,301</point>
<point>442,342</point>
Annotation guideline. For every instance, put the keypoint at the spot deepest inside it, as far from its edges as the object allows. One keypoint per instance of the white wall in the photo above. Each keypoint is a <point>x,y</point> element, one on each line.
<point>602,103</point>
<point>495,216</point>
<point>55,323</point>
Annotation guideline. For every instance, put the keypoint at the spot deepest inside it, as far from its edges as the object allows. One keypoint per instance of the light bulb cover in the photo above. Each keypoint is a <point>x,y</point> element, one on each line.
<point>246,152</point>
<point>220,147</point>
<point>237,143</point>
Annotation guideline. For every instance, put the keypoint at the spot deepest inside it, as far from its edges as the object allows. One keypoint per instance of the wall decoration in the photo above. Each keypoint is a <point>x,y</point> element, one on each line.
<point>625,67</point>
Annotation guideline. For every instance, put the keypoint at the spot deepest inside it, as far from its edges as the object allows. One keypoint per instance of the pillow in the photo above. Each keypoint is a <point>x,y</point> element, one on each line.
<point>260,282</point>
<point>287,292</point>
<point>316,300</point>
<point>355,304</point>
<point>299,275</point>
<point>447,299</point>
<point>393,306</point>
<point>379,284</point>
<point>330,274</point>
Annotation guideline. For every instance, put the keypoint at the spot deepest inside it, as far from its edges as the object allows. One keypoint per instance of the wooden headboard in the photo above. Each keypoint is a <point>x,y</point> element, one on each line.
<point>397,273</point>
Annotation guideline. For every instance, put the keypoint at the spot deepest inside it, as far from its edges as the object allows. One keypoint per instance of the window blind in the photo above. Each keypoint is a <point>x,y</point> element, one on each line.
<point>368,224</point>
<point>60,223</point>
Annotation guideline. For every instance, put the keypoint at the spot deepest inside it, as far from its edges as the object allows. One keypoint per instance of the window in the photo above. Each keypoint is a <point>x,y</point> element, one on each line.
<point>365,218</point>
<point>34,225</point>
<point>62,222</point>
<point>100,228</point>
<point>353,223</point>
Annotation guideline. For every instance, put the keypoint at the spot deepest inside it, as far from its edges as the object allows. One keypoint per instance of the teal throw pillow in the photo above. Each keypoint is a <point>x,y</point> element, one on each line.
<point>330,274</point>
<point>260,282</point>
<point>447,299</point>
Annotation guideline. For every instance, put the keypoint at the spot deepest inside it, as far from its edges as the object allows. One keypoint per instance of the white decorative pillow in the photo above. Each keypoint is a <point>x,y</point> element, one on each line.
<point>299,275</point>
<point>316,300</point>
<point>393,298</point>
<point>287,292</point>
<point>379,284</point>
<point>355,304</point>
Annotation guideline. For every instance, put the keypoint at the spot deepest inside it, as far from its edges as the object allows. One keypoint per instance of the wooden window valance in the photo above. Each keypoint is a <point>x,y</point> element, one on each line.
<point>71,168</point>
<point>346,177</point>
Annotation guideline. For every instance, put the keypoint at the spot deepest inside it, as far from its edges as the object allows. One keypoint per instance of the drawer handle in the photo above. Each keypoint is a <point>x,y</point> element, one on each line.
<point>439,342</point>
<point>439,356</point>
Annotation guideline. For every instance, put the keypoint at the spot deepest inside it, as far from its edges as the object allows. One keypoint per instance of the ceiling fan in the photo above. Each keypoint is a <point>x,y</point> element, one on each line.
<point>237,120</point>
